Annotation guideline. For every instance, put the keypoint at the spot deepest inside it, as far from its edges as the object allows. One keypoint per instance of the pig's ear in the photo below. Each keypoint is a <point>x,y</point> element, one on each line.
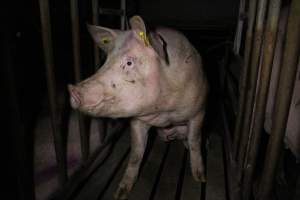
<point>159,45</point>
<point>103,37</point>
<point>156,41</point>
<point>138,26</point>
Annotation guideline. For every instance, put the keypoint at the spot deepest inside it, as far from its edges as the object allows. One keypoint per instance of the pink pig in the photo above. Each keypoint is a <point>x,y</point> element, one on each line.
<point>156,79</point>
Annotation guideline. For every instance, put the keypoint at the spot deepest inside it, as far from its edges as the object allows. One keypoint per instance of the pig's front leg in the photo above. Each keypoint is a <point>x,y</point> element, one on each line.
<point>194,144</point>
<point>139,136</point>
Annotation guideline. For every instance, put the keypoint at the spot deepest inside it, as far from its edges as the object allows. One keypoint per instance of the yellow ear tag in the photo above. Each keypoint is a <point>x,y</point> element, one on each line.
<point>144,38</point>
<point>104,40</point>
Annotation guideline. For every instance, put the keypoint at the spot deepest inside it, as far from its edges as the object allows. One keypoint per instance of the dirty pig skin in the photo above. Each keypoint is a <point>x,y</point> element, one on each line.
<point>155,79</point>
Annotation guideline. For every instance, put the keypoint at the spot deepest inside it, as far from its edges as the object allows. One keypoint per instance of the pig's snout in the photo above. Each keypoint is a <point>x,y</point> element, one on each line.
<point>86,95</point>
<point>74,96</point>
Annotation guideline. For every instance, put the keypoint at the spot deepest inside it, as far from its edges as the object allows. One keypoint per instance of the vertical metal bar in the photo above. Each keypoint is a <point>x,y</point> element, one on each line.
<point>76,56</point>
<point>123,17</point>
<point>95,6</point>
<point>232,183</point>
<point>244,76</point>
<point>291,57</point>
<point>75,38</point>
<point>270,36</point>
<point>255,57</point>
<point>48,54</point>
<point>239,29</point>
<point>101,122</point>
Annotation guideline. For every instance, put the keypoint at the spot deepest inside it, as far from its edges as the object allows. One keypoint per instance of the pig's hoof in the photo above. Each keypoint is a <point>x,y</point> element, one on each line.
<point>199,176</point>
<point>122,193</point>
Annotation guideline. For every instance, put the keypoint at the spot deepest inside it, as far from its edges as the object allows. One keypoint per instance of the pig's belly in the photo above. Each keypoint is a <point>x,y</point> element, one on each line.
<point>170,126</point>
<point>173,132</point>
<point>163,120</point>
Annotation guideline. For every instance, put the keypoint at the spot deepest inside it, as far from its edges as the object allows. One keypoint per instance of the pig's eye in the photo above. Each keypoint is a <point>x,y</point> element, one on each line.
<point>128,62</point>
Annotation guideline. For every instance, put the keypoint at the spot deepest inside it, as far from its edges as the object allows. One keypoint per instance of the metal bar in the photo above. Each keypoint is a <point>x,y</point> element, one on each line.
<point>123,16</point>
<point>239,29</point>
<point>254,68</point>
<point>100,122</point>
<point>76,56</point>
<point>231,167</point>
<point>48,55</point>
<point>75,38</point>
<point>283,100</point>
<point>81,175</point>
<point>244,77</point>
<point>92,164</point>
<point>270,36</point>
<point>95,6</point>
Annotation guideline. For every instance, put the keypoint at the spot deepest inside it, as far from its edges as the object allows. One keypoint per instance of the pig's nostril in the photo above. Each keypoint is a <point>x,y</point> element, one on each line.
<point>74,96</point>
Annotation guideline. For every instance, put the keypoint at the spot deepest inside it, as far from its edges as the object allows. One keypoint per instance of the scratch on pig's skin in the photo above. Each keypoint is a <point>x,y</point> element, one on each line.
<point>131,81</point>
<point>187,60</point>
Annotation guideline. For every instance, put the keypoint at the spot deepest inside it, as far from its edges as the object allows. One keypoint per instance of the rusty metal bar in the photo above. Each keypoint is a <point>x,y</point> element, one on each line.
<point>123,17</point>
<point>254,68</point>
<point>76,56</point>
<point>270,36</point>
<point>283,100</point>
<point>48,55</point>
<point>244,76</point>
<point>239,28</point>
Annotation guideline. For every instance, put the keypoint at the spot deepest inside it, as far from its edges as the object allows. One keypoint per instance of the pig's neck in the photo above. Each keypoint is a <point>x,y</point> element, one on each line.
<point>157,114</point>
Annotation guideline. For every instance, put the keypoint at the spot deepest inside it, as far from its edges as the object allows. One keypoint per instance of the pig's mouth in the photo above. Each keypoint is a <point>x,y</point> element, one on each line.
<point>94,105</point>
<point>76,101</point>
<point>99,107</point>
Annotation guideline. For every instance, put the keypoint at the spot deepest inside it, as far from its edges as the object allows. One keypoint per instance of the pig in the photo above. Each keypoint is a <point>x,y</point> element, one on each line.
<point>154,78</point>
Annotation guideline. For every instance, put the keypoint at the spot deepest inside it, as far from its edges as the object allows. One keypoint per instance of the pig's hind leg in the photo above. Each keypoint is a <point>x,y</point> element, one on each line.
<point>194,144</point>
<point>139,136</point>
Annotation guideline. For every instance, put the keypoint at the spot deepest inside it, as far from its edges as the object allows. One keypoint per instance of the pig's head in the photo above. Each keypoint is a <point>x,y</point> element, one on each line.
<point>128,84</point>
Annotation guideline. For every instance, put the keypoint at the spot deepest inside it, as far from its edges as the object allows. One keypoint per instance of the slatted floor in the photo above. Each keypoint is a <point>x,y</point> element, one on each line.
<point>165,173</point>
